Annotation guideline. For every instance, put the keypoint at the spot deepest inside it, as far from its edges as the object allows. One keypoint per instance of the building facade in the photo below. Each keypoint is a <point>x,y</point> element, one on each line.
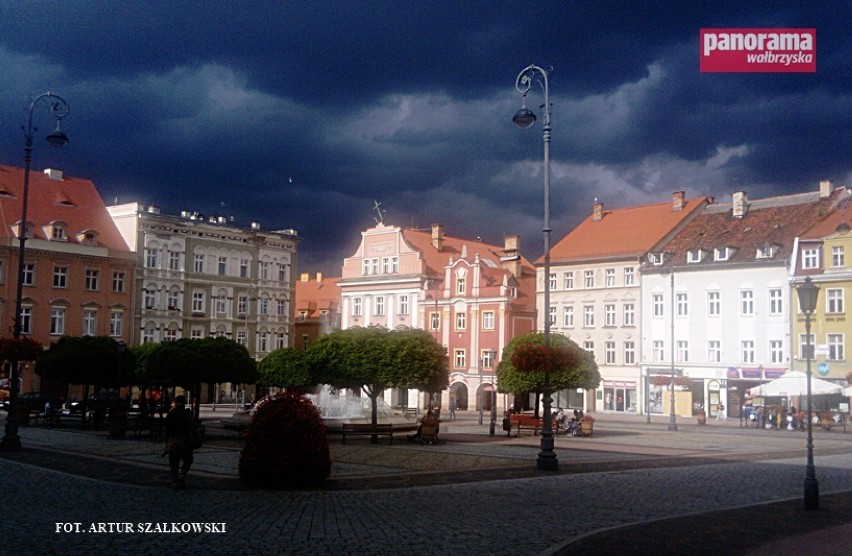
<point>78,271</point>
<point>317,309</point>
<point>203,276</point>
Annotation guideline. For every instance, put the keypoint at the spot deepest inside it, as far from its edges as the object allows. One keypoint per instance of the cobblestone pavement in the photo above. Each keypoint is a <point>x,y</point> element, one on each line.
<point>630,489</point>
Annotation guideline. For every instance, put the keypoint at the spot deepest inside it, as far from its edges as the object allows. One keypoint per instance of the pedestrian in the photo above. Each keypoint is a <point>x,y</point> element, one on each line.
<point>179,426</point>
<point>720,412</point>
<point>454,404</point>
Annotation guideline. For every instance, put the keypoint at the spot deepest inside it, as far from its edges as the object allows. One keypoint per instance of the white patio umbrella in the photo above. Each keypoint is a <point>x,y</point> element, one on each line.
<point>795,383</point>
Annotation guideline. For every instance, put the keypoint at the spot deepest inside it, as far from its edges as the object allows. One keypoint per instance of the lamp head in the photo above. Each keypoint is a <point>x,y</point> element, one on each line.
<point>808,294</point>
<point>524,118</point>
<point>58,139</point>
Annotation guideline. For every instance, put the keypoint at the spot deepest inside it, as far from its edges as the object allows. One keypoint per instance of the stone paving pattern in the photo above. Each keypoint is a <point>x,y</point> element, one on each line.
<point>632,488</point>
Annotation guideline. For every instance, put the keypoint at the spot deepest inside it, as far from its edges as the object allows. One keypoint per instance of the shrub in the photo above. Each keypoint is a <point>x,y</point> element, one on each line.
<point>287,445</point>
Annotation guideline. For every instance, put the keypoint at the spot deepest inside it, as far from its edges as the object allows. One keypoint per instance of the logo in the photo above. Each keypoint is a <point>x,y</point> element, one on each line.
<point>757,50</point>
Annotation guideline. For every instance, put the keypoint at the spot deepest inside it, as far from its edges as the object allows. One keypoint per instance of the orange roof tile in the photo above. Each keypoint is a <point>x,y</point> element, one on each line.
<point>316,296</point>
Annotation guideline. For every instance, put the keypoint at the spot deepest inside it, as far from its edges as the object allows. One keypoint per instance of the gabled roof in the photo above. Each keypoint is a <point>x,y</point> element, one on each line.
<point>840,217</point>
<point>316,296</point>
<point>774,221</point>
<point>73,201</point>
<point>625,232</point>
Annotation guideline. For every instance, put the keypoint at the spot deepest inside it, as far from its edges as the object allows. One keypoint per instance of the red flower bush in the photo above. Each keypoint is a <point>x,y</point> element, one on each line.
<point>532,357</point>
<point>287,445</point>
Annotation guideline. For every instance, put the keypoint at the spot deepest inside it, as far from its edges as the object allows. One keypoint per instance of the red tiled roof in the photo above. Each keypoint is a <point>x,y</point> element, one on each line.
<point>841,215</point>
<point>73,201</point>
<point>624,232</point>
<point>315,296</point>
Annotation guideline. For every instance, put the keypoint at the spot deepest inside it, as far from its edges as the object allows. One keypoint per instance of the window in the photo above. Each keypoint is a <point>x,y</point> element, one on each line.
<point>149,298</point>
<point>148,335</point>
<point>568,317</point>
<point>714,351</point>
<point>222,266</point>
<point>551,314</point>
<point>403,305</point>
<point>264,270</point>
<point>721,253</point>
<point>693,256</point>
<point>747,351</point>
<point>379,305</point>
<point>92,278</point>
<point>487,359</point>
<point>242,305</point>
<point>242,337</point>
<point>461,321</point>
<point>29,274</point>
<point>434,321</point>
<point>629,276</point>
<point>568,279</point>
<point>282,308</point>
<point>171,334</point>
<point>60,277</point>
<point>173,300</point>
<point>244,268</point>
<point>152,257</point>
<point>682,304</point>
<point>174,260</point>
<point>609,278</point>
<point>659,351</point>
<point>629,353</point>
<point>198,264</point>
<point>459,358</point>
<point>776,302</point>
<point>263,306</point>
<point>609,352</point>
<point>776,351</point>
<point>198,302</point>
<point>833,300</point>
<point>803,346</point>
<point>385,265</point>
<point>682,351</point>
<point>589,279</point>
<point>118,279</point>
<point>838,258</point>
<point>282,273</point>
<point>588,315</point>
<point>629,314</point>
<point>657,302</point>
<point>58,233</point>
<point>714,304</point>
<point>552,281</point>
<point>609,315</point>
<point>357,309</point>
<point>262,342</point>
<point>222,305</point>
<point>116,323</point>
<point>90,322</point>
<point>196,334</point>
<point>460,286</point>
<point>281,340</point>
<point>27,320</point>
<point>835,347</point>
<point>589,346</point>
<point>810,258</point>
<point>747,302</point>
<point>488,320</point>
<point>57,321</point>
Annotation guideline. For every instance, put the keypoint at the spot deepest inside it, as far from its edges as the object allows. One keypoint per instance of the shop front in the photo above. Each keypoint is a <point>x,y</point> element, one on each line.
<point>620,395</point>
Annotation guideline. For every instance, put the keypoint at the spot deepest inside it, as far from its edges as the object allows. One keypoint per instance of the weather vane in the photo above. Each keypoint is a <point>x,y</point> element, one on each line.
<point>380,213</point>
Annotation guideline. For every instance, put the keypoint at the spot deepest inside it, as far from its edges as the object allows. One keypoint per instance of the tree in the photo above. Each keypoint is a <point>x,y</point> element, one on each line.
<point>374,359</point>
<point>88,360</point>
<point>525,359</point>
<point>285,368</point>
<point>188,363</point>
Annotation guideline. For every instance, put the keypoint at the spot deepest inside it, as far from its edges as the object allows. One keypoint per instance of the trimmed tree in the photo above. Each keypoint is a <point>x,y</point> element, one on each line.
<point>374,359</point>
<point>285,368</point>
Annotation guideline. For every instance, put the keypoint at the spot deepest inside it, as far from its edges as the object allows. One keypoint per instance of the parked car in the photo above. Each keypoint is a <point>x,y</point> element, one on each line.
<point>101,400</point>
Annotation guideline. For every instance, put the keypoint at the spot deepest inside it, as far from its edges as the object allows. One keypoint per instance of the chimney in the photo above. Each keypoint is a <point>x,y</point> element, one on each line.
<point>437,236</point>
<point>597,210</point>
<point>319,277</point>
<point>53,174</point>
<point>511,260</point>
<point>740,204</point>
<point>825,188</point>
<point>304,277</point>
<point>677,201</point>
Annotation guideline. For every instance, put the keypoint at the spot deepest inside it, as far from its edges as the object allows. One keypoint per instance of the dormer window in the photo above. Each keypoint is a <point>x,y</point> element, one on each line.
<point>694,256</point>
<point>722,253</point>
<point>57,232</point>
<point>88,237</point>
<point>27,231</point>
<point>766,251</point>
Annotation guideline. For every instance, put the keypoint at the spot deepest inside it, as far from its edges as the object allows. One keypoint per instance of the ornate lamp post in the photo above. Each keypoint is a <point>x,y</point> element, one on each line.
<point>525,118</point>
<point>58,108</point>
<point>672,416</point>
<point>808,294</point>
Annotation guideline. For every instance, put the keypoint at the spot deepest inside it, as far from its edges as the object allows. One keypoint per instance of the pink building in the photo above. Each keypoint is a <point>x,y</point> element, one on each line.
<point>473,296</point>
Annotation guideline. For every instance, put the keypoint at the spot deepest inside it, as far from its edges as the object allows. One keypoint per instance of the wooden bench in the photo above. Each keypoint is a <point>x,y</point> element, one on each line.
<point>381,429</point>
<point>530,422</point>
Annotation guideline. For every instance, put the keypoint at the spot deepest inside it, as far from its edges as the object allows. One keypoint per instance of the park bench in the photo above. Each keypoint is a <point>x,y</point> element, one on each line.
<point>238,425</point>
<point>529,422</point>
<point>380,429</point>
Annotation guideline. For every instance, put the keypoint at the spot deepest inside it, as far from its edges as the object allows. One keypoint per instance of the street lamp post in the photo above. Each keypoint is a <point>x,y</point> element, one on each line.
<point>525,118</point>
<point>58,108</point>
<point>808,294</point>
<point>672,417</point>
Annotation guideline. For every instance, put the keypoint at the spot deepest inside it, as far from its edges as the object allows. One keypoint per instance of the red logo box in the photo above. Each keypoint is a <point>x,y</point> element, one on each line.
<point>757,50</point>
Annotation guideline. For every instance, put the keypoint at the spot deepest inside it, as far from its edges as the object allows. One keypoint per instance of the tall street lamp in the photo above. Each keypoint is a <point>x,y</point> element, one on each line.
<point>808,294</point>
<point>525,118</point>
<point>58,108</point>
<point>487,357</point>
<point>672,417</point>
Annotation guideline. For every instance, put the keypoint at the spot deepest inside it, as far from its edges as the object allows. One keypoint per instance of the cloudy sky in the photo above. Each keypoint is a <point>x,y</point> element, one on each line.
<point>301,114</point>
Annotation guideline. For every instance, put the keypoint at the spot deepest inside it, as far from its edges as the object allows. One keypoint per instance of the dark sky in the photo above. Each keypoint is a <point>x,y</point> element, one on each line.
<point>301,114</point>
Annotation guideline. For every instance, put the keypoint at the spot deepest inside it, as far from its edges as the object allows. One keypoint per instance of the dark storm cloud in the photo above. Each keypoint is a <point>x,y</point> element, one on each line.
<point>301,114</point>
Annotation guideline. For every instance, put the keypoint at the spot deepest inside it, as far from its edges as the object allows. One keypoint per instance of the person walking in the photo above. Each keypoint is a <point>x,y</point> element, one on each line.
<point>720,412</point>
<point>454,404</point>
<point>179,426</point>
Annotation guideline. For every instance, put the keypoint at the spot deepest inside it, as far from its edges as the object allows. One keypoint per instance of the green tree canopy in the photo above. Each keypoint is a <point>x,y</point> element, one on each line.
<point>374,359</point>
<point>285,368</point>
<point>188,363</point>
<point>98,360</point>
<point>574,367</point>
